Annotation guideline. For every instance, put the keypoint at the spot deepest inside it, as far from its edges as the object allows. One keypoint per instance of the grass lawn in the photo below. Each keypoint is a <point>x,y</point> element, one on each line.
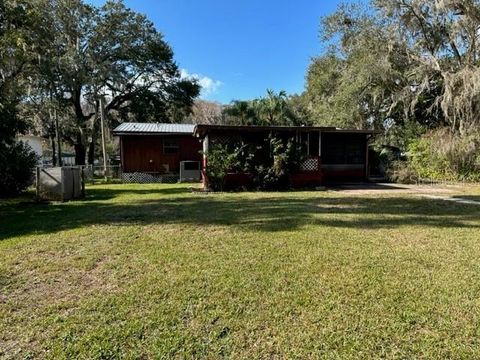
<point>154,271</point>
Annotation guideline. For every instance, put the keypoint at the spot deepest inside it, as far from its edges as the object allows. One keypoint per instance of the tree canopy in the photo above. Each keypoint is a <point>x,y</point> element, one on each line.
<point>272,109</point>
<point>398,60</point>
<point>16,159</point>
<point>83,53</point>
<point>408,68</point>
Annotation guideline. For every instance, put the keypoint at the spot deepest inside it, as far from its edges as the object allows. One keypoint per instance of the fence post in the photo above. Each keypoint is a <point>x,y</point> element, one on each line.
<point>104,148</point>
<point>62,183</point>
<point>82,177</point>
<point>37,183</point>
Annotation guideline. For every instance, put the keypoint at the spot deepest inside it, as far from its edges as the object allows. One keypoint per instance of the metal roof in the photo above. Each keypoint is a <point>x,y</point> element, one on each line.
<point>202,129</point>
<point>153,128</point>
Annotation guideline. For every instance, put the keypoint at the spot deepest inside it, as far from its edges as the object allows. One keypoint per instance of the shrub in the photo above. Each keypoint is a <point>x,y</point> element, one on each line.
<point>399,171</point>
<point>220,161</point>
<point>17,163</point>
<point>269,164</point>
<point>445,155</point>
<point>274,173</point>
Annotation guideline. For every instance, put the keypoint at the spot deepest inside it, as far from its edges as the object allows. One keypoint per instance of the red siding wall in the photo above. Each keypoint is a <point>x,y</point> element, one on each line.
<point>146,153</point>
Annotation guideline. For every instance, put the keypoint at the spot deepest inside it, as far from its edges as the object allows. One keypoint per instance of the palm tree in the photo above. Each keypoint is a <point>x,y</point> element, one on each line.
<point>242,113</point>
<point>274,109</point>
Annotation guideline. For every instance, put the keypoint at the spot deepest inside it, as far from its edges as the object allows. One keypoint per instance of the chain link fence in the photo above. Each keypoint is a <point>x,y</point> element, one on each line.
<point>94,173</point>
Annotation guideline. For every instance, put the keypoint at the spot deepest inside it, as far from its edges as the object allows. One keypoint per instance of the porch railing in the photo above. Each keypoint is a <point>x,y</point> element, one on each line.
<point>311,164</point>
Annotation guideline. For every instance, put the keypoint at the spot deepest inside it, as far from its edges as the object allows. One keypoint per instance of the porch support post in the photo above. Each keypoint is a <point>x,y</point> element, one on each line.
<point>320,153</point>
<point>320,144</point>
<point>205,144</point>
<point>122,155</point>
<point>366,158</point>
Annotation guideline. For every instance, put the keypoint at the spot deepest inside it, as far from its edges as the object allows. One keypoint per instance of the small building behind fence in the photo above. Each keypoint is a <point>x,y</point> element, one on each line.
<point>155,152</point>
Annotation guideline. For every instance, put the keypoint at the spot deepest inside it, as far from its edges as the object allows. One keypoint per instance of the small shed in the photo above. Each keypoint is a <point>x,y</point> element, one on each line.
<point>153,152</point>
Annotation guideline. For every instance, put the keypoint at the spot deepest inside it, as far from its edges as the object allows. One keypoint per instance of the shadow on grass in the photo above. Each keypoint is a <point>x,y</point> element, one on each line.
<point>468,197</point>
<point>249,212</point>
<point>96,194</point>
<point>365,186</point>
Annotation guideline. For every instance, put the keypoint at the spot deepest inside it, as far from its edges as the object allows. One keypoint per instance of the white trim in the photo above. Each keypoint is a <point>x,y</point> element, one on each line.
<point>320,144</point>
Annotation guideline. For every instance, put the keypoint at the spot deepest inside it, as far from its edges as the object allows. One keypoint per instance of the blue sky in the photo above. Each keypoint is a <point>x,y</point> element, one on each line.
<point>239,48</point>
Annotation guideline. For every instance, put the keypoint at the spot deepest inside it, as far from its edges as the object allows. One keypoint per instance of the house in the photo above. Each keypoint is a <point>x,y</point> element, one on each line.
<point>154,152</point>
<point>330,155</point>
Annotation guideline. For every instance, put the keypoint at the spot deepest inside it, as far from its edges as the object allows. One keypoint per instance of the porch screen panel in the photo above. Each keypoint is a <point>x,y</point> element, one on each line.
<point>314,144</point>
<point>343,149</point>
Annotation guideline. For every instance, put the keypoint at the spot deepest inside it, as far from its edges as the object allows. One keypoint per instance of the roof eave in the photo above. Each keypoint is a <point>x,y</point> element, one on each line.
<point>124,133</point>
<point>201,130</point>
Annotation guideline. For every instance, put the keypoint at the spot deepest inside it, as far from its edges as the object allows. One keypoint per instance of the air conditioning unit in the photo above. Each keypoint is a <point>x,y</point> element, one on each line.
<point>190,171</point>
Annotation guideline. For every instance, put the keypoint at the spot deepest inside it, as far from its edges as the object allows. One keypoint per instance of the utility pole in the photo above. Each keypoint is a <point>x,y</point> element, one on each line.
<point>102,126</point>
<point>57,135</point>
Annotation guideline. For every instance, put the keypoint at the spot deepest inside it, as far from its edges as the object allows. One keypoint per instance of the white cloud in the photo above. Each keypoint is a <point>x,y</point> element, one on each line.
<point>209,85</point>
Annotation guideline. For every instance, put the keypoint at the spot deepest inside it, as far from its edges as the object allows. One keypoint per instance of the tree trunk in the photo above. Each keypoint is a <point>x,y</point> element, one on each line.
<point>463,128</point>
<point>57,136</point>
<point>80,153</point>
<point>91,152</point>
<point>54,155</point>
<point>93,143</point>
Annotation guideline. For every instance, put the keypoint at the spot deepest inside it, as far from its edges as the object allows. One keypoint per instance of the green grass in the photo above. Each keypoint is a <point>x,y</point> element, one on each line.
<point>155,271</point>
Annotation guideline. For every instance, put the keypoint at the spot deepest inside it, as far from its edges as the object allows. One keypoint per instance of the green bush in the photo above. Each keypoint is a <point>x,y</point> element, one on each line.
<point>269,164</point>
<point>17,163</point>
<point>219,161</point>
<point>400,171</point>
<point>444,155</point>
<point>274,173</point>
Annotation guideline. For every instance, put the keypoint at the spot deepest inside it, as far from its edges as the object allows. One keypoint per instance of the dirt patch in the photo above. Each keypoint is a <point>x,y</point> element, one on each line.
<point>452,193</point>
<point>29,293</point>
<point>36,288</point>
<point>457,200</point>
